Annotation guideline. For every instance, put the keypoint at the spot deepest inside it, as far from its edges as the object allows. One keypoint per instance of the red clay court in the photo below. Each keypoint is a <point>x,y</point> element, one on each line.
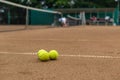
<point>86,53</point>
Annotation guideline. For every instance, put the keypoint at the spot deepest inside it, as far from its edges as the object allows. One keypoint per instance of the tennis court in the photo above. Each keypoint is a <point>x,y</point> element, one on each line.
<point>86,53</point>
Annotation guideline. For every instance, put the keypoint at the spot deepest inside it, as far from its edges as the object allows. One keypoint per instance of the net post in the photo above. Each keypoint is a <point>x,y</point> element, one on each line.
<point>8,16</point>
<point>27,19</point>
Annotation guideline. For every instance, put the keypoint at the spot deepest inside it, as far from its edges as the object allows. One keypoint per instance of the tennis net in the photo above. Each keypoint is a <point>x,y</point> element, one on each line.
<point>20,14</point>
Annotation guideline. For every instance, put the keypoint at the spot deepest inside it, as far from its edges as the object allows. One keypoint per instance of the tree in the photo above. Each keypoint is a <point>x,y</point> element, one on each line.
<point>62,4</point>
<point>33,3</point>
<point>67,3</point>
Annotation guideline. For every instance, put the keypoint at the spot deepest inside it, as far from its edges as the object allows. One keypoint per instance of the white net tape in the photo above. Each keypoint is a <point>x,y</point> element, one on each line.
<point>26,7</point>
<point>74,18</point>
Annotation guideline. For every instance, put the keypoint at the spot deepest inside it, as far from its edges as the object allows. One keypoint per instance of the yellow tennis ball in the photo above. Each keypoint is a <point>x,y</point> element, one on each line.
<point>43,55</point>
<point>53,54</point>
<point>42,50</point>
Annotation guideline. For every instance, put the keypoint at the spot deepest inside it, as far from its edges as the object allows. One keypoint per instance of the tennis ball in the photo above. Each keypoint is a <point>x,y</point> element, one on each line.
<point>42,50</point>
<point>53,54</point>
<point>43,55</point>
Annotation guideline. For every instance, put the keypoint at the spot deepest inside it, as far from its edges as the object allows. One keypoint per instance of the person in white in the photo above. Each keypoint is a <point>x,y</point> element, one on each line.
<point>63,21</point>
<point>107,18</point>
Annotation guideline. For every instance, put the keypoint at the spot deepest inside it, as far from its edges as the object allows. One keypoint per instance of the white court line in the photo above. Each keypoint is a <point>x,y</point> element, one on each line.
<point>82,56</point>
<point>92,56</point>
<point>4,52</point>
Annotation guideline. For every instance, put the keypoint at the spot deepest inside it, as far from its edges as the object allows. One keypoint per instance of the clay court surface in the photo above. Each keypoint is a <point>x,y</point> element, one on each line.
<point>86,53</point>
